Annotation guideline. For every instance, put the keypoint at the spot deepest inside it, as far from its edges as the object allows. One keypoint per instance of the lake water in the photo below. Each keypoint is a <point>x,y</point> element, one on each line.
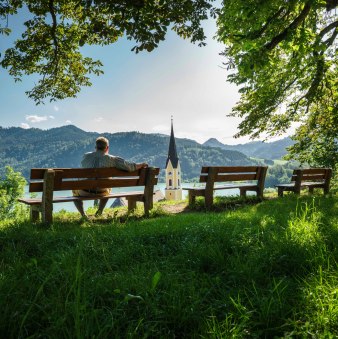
<point>71,208</point>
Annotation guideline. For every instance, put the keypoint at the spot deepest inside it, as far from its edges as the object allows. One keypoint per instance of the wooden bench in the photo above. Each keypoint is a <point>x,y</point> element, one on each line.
<point>310,178</point>
<point>246,178</point>
<point>48,181</point>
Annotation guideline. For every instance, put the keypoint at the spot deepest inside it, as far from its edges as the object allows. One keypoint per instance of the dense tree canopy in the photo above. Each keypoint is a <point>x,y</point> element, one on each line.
<point>57,29</point>
<point>284,57</point>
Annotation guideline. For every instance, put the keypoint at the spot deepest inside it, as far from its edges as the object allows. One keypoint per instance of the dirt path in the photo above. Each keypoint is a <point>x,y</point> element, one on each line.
<point>177,208</point>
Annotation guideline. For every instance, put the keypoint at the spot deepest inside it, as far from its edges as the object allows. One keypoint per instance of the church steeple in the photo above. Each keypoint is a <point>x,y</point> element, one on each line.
<point>173,189</point>
<point>172,152</point>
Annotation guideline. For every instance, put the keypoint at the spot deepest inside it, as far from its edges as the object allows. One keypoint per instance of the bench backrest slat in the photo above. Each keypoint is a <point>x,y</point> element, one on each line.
<point>309,177</point>
<point>311,174</point>
<point>315,170</point>
<point>81,178</point>
<point>231,169</point>
<point>239,173</point>
<point>38,173</point>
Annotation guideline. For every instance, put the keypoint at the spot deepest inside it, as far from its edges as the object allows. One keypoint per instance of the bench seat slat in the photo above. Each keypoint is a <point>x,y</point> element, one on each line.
<point>303,184</point>
<point>196,190</point>
<point>230,186</point>
<point>37,201</point>
<point>222,187</point>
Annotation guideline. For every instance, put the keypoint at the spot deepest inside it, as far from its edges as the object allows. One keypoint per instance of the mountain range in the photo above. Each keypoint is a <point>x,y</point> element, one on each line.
<point>24,149</point>
<point>256,149</point>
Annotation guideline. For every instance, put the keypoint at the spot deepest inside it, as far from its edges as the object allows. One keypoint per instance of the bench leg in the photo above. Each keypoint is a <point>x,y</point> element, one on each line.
<point>47,197</point>
<point>192,198</point>
<point>243,192</point>
<point>147,208</point>
<point>297,190</point>
<point>131,205</point>
<point>47,215</point>
<point>280,191</point>
<point>34,213</point>
<point>259,193</point>
<point>311,189</point>
<point>47,211</point>
<point>209,200</point>
<point>148,205</point>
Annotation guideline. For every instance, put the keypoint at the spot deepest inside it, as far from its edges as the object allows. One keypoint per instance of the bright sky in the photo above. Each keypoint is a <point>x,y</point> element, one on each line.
<point>138,92</point>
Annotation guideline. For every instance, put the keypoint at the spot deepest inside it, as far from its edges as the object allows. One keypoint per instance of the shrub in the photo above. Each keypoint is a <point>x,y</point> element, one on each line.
<point>12,186</point>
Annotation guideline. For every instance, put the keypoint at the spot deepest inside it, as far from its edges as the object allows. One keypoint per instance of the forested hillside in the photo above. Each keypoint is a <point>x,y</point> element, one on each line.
<point>23,149</point>
<point>257,149</point>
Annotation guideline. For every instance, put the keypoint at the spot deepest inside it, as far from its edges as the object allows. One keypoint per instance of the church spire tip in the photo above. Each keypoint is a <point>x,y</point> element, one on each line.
<point>172,153</point>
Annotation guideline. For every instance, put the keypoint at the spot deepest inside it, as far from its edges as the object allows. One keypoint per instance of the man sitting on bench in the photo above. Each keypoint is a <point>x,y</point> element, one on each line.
<point>101,158</point>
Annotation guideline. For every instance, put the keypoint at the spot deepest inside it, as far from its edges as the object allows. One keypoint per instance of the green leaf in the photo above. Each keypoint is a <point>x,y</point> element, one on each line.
<point>155,280</point>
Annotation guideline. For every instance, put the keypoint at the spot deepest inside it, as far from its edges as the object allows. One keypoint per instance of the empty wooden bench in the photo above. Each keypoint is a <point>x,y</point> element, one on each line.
<point>310,178</point>
<point>48,181</point>
<point>246,178</point>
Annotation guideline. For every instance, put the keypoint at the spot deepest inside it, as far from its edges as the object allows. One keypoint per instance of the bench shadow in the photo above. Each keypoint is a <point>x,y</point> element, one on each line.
<point>224,203</point>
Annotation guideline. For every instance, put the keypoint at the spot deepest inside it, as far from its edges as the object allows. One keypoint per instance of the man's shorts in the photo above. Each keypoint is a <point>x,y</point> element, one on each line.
<point>90,193</point>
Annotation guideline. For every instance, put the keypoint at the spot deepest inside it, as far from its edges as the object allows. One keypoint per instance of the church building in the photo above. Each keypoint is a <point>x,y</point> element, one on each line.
<point>173,190</point>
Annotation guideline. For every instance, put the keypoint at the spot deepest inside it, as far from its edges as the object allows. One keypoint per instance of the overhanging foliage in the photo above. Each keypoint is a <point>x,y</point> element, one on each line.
<point>57,29</point>
<point>284,57</point>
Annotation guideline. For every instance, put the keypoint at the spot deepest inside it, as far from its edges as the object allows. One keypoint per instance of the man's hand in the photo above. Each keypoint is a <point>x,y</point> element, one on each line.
<point>141,165</point>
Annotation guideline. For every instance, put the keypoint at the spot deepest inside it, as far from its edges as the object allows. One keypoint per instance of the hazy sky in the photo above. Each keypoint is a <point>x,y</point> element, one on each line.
<point>138,92</point>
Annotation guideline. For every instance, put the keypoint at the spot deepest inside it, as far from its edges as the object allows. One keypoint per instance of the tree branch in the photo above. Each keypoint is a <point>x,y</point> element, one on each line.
<point>328,28</point>
<point>317,79</point>
<point>330,40</point>
<point>331,4</point>
<point>53,32</point>
<point>294,24</point>
<point>257,34</point>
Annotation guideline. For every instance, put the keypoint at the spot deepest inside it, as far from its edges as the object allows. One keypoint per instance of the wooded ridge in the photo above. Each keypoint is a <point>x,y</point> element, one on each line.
<point>256,149</point>
<point>64,146</point>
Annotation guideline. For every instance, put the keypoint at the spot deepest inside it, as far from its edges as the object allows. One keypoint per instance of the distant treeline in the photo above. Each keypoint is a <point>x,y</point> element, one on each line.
<point>24,149</point>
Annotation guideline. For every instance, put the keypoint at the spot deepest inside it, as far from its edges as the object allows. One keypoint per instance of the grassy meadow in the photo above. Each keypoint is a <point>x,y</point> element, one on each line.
<point>261,270</point>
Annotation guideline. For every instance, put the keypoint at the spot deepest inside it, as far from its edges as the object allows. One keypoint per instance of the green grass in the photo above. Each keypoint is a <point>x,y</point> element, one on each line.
<point>264,270</point>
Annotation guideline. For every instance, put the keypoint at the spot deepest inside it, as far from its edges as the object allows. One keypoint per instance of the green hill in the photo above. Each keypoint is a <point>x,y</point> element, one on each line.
<point>256,149</point>
<point>24,149</point>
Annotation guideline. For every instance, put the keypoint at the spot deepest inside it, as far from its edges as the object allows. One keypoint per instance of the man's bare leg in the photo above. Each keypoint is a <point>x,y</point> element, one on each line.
<point>79,205</point>
<point>102,205</point>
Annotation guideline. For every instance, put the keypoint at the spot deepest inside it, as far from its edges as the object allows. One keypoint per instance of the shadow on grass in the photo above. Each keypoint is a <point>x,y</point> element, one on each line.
<point>222,204</point>
<point>252,271</point>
